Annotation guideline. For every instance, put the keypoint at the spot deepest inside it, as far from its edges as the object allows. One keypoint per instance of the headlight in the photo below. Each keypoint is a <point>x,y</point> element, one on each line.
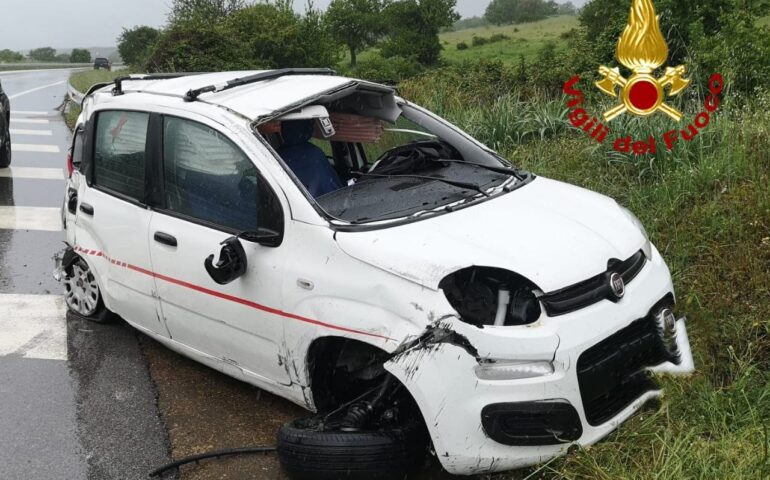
<point>647,248</point>
<point>513,370</point>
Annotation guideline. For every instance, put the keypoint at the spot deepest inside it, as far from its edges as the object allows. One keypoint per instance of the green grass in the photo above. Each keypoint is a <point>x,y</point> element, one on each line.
<point>707,208</point>
<point>526,39</point>
<point>82,81</point>
<point>765,21</point>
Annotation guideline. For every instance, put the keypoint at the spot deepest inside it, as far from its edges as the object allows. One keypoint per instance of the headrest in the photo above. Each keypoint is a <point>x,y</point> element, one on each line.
<point>296,132</point>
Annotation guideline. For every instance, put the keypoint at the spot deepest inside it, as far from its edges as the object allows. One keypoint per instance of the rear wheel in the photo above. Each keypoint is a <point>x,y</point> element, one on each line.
<point>82,294</point>
<point>5,151</point>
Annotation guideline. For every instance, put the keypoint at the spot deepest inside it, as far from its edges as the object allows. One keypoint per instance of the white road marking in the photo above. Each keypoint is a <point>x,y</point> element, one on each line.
<point>32,133</point>
<point>33,90</point>
<point>30,218</point>
<point>39,121</point>
<point>27,147</point>
<point>32,172</point>
<point>27,112</point>
<point>33,326</point>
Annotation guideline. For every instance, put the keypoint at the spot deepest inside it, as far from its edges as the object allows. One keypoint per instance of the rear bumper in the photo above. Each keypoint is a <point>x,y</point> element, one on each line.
<point>454,401</point>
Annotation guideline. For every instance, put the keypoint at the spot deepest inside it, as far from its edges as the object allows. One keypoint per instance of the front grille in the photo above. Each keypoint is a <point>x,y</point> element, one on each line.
<point>593,290</point>
<point>612,373</point>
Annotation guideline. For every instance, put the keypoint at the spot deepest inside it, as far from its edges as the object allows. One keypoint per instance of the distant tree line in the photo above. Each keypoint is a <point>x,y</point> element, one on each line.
<point>46,55</point>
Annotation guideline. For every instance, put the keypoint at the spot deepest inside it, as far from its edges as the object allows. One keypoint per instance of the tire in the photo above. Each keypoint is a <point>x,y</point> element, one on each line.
<point>390,453</point>
<point>5,151</point>
<point>82,295</point>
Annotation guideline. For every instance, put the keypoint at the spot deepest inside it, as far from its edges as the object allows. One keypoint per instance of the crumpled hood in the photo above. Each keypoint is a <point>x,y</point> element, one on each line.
<point>550,232</point>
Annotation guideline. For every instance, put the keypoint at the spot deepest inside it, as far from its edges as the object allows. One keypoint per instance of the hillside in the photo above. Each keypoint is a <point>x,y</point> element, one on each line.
<point>525,39</point>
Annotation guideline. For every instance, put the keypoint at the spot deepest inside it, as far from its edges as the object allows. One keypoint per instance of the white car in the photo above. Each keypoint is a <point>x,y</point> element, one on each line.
<point>325,240</point>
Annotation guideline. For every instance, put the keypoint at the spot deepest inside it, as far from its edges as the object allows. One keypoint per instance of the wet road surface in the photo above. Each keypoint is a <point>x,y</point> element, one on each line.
<point>77,399</point>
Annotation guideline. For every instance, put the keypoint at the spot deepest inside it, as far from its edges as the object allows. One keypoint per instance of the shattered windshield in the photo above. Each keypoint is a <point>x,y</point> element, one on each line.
<point>362,169</point>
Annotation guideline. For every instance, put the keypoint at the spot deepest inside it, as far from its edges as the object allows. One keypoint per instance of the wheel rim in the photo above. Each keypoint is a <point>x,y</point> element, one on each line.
<point>82,293</point>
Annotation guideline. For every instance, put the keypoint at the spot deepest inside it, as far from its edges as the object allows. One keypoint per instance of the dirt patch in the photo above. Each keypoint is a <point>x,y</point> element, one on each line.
<point>205,410</point>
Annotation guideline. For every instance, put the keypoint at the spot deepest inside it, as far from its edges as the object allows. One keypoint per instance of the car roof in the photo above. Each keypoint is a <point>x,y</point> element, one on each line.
<point>254,100</point>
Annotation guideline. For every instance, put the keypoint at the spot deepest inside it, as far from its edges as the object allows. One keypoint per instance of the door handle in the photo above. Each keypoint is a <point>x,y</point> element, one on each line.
<point>165,239</point>
<point>87,209</point>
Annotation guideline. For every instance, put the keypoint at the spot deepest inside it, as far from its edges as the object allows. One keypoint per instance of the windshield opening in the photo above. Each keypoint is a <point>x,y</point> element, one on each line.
<point>361,168</point>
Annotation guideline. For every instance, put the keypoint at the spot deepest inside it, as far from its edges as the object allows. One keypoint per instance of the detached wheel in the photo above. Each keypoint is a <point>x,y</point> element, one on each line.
<point>5,152</point>
<point>308,452</point>
<point>82,294</point>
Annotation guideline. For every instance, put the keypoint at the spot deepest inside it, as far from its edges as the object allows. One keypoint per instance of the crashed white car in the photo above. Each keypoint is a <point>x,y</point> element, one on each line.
<point>325,240</point>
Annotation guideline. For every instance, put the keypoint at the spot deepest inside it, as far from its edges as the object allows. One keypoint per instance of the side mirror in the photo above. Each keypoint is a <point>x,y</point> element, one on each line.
<point>265,237</point>
<point>231,265</point>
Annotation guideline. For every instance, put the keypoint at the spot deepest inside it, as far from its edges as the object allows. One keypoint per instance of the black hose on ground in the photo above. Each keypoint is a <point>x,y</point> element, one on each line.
<point>205,456</point>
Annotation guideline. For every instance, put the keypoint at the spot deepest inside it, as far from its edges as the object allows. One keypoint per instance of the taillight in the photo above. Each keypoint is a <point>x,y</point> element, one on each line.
<point>70,166</point>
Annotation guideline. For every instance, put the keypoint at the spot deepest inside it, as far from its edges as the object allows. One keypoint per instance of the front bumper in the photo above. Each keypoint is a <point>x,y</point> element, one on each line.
<point>453,399</point>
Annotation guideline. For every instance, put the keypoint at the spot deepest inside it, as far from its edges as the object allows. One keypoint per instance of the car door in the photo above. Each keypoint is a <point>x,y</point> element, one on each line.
<point>113,221</point>
<point>211,192</point>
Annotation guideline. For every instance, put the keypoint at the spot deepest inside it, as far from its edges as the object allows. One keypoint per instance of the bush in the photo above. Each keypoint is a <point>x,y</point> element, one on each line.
<point>260,36</point>
<point>462,46</point>
<point>498,37</point>
<point>479,41</point>
<point>387,70</point>
<point>135,45</point>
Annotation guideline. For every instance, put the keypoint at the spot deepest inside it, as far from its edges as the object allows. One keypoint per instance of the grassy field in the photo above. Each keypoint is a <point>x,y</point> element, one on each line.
<point>82,81</point>
<point>525,39</point>
<point>764,21</point>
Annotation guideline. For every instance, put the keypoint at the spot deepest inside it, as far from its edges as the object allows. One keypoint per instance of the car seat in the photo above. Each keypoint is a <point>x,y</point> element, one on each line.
<point>307,161</point>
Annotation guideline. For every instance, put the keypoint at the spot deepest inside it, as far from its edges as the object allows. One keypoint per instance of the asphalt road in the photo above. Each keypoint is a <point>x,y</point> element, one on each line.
<point>77,399</point>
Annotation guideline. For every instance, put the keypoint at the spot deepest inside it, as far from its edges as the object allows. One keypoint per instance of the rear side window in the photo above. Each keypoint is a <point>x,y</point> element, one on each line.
<point>77,148</point>
<point>119,152</point>
<point>207,177</point>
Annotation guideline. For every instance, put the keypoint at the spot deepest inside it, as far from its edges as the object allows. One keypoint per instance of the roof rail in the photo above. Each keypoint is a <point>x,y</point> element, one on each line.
<point>118,89</point>
<point>192,95</point>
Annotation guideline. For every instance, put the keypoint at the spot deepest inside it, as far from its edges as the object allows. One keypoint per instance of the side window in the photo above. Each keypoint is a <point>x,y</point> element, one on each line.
<point>209,178</point>
<point>77,149</point>
<point>119,152</point>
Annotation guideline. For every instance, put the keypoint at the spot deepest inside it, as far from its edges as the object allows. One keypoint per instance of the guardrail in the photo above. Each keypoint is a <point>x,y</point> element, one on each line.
<point>74,94</point>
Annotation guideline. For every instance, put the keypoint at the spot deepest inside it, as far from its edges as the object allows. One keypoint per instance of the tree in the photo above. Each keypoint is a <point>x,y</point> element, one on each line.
<point>567,8</point>
<point>504,12</point>
<point>80,55</point>
<point>357,24</point>
<point>274,36</point>
<point>135,44</point>
<point>202,11</point>
<point>258,36</point>
<point>413,28</point>
<point>9,56</point>
<point>45,54</point>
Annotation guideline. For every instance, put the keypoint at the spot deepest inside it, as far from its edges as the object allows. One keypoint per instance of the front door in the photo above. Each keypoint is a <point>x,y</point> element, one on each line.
<point>213,191</point>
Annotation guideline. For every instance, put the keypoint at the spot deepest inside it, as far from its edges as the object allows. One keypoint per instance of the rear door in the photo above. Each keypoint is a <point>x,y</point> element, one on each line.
<point>212,191</point>
<point>113,220</point>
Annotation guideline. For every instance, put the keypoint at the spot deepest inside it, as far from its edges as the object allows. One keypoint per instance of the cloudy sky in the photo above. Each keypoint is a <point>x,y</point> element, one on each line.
<point>26,24</point>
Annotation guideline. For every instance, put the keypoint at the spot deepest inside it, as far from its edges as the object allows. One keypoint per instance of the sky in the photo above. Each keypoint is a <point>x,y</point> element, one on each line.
<point>63,24</point>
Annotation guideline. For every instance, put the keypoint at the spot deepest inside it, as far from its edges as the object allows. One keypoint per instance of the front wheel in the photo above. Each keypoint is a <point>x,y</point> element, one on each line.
<point>5,151</point>
<point>82,294</point>
<point>309,451</point>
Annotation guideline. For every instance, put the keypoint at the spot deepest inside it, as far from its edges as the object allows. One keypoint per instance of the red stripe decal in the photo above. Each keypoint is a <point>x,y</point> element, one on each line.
<point>224,296</point>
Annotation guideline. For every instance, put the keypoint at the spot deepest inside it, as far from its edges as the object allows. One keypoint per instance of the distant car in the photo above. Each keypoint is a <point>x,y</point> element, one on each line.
<point>5,129</point>
<point>100,63</point>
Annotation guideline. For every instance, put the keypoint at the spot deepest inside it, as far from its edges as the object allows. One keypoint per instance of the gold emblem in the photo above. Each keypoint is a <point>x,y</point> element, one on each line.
<point>643,50</point>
